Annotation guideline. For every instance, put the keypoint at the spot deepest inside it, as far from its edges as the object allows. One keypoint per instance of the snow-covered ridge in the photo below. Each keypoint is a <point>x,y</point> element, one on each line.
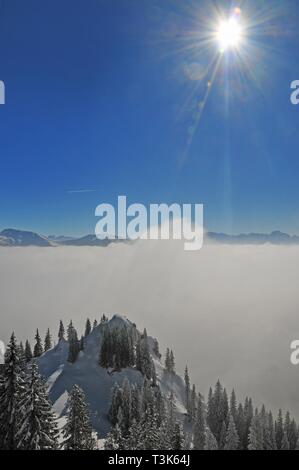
<point>96,381</point>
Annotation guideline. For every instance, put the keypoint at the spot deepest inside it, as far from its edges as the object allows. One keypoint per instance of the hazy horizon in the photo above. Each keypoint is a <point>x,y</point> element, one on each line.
<point>230,312</point>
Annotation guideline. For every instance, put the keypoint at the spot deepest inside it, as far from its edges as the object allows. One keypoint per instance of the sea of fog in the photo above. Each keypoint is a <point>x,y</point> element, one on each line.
<point>230,312</point>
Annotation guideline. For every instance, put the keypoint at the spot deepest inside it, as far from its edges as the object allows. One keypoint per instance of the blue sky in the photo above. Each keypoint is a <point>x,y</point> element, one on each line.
<point>99,96</point>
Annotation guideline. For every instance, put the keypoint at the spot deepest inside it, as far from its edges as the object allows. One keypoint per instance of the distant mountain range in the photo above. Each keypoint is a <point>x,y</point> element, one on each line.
<point>13,238</point>
<point>275,238</point>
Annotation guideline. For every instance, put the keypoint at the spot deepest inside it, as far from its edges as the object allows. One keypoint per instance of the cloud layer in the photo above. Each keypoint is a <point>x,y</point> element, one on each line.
<point>230,312</point>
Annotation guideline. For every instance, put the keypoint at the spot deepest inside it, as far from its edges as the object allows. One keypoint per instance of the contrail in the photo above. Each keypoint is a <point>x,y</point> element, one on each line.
<point>76,191</point>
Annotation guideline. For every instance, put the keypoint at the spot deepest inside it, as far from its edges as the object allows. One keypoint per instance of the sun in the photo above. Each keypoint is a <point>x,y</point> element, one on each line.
<point>229,34</point>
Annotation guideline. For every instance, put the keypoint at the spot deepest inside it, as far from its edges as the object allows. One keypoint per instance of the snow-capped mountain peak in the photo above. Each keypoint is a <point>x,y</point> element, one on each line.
<point>98,382</point>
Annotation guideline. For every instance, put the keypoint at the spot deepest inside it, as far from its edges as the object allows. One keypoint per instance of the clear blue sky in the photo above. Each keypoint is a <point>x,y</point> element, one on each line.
<point>99,96</point>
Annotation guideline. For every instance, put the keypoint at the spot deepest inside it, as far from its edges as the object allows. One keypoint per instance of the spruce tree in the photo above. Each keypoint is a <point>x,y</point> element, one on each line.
<point>187,391</point>
<point>12,389</point>
<point>77,431</point>
<point>285,445</point>
<point>48,341</point>
<point>38,427</point>
<point>74,344</point>
<point>61,331</point>
<point>233,406</point>
<point>172,363</point>
<point>28,352</point>
<point>199,428</point>
<point>279,430</point>
<point>38,348</point>
<point>255,434</point>
<point>232,438</point>
<point>210,440</point>
<point>87,327</point>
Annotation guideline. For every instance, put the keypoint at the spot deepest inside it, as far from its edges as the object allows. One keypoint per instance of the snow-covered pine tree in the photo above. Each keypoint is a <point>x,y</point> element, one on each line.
<point>210,440</point>
<point>12,388</point>
<point>48,341</point>
<point>187,391</point>
<point>217,413</point>
<point>248,415</point>
<point>233,406</point>
<point>179,437</point>
<point>61,331</point>
<point>199,428</point>
<point>172,363</point>
<point>256,434</point>
<point>77,431</point>
<point>38,348</point>
<point>167,360</point>
<point>146,365</point>
<point>285,445</point>
<point>87,327</point>
<point>232,438</point>
<point>74,344</point>
<point>292,435</point>
<point>38,428</point>
<point>28,352</point>
<point>241,425</point>
<point>115,440</point>
<point>279,430</point>
<point>269,433</point>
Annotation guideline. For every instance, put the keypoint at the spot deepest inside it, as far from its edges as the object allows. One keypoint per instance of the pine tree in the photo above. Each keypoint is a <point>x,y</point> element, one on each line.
<point>38,427</point>
<point>61,331</point>
<point>12,388</point>
<point>74,344</point>
<point>248,415</point>
<point>145,357</point>
<point>210,440</point>
<point>187,391</point>
<point>172,363</point>
<point>279,430</point>
<point>285,445</point>
<point>241,425</point>
<point>87,327</point>
<point>199,428</point>
<point>48,341</point>
<point>217,413</point>
<point>232,438</point>
<point>28,352</point>
<point>255,434</point>
<point>95,324</point>
<point>115,440</point>
<point>38,348</point>
<point>269,433</point>
<point>233,406</point>
<point>77,431</point>
<point>178,440</point>
<point>292,435</point>
<point>167,360</point>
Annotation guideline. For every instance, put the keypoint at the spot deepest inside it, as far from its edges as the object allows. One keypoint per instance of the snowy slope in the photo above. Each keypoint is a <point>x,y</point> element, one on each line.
<point>97,382</point>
